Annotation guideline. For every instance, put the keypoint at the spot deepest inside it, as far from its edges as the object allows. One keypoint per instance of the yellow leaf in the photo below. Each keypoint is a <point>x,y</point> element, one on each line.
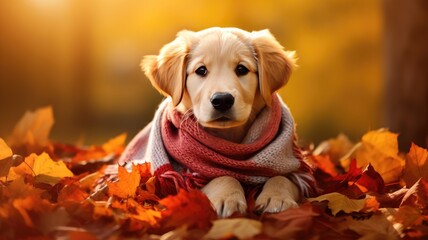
<point>49,171</point>
<point>6,159</point>
<point>338,202</point>
<point>5,150</point>
<point>33,128</point>
<point>42,167</point>
<point>380,149</point>
<point>241,228</point>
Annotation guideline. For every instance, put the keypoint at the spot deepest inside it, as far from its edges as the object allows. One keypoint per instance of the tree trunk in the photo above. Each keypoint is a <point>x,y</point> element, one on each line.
<point>406,70</point>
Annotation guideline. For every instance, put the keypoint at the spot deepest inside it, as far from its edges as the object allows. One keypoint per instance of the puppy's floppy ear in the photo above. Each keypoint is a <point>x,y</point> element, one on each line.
<point>274,64</point>
<point>167,71</point>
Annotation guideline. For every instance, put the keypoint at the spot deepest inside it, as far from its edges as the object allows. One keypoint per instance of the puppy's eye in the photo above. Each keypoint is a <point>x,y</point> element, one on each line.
<point>241,70</point>
<point>202,71</point>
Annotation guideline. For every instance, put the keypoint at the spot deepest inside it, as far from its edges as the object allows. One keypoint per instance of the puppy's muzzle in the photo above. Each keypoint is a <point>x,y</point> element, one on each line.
<point>222,101</point>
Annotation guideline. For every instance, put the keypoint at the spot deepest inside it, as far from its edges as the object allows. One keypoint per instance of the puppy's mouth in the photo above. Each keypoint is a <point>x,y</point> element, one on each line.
<point>222,122</point>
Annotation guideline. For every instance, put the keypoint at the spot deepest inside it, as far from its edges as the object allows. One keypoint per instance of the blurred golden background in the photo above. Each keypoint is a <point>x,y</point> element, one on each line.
<point>82,57</point>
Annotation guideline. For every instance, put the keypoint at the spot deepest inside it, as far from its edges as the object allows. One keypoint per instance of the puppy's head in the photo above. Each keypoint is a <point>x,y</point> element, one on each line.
<point>225,75</point>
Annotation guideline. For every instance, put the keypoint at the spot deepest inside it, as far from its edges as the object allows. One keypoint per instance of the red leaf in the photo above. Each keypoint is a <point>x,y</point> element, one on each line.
<point>191,209</point>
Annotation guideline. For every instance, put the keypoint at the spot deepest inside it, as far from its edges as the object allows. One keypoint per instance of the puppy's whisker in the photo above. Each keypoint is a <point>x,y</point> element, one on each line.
<point>186,116</point>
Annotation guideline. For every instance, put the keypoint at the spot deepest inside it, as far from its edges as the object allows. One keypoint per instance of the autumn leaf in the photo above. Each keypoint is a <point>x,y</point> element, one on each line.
<point>128,183</point>
<point>241,228</point>
<point>289,223</point>
<point>6,159</point>
<point>334,148</point>
<point>375,227</point>
<point>43,168</point>
<point>417,195</point>
<point>192,209</point>
<point>33,129</point>
<point>116,144</point>
<point>380,149</point>
<point>49,171</point>
<point>338,202</point>
<point>416,165</point>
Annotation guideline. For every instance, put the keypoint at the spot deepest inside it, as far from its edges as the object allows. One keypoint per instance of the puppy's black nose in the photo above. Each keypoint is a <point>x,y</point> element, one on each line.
<point>222,101</point>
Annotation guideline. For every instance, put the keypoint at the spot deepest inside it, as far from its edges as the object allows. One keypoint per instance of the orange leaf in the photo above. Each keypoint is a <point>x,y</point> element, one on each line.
<point>416,165</point>
<point>380,149</point>
<point>335,148</point>
<point>5,150</point>
<point>191,209</point>
<point>6,159</point>
<point>33,129</point>
<point>72,193</point>
<point>115,144</point>
<point>128,183</point>
<point>324,163</point>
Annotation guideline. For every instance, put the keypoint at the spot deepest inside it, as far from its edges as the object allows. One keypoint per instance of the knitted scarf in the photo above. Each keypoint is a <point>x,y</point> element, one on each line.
<point>183,155</point>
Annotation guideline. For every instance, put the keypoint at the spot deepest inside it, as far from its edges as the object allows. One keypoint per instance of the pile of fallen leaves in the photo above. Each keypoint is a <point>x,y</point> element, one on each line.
<point>53,190</point>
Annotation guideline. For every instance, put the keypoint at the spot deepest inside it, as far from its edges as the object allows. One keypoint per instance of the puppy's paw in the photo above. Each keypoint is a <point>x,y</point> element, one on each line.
<point>226,205</point>
<point>278,194</point>
<point>274,203</point>
<point>226,195</point>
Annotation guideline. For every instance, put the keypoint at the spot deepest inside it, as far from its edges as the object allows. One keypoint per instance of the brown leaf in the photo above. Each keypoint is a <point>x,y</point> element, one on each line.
<point>375,227</point>
<point>338,202</point>
<point>416,165</point>
<point>290,223</point>
<point>128,183</point>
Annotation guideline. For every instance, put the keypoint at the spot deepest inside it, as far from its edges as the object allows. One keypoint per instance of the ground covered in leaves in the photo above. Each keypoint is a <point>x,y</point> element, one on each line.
<point>51,190</point>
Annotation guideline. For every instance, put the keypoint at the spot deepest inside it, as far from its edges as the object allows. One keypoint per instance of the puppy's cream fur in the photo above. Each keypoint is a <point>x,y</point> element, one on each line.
<point>221,51</point>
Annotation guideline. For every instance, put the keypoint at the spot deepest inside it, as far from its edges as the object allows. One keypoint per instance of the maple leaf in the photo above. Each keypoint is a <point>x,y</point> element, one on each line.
<point>416,165</point>
<point>32,130</point>
<point>338,202</point>
<point>42,167</point>
<point>128,183</point>
<point>380,149</point>
<point>192,209</point>
<point>241,228</point>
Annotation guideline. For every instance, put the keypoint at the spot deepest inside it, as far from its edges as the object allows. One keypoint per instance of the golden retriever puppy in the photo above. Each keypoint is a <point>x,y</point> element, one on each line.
<point>222,125</point>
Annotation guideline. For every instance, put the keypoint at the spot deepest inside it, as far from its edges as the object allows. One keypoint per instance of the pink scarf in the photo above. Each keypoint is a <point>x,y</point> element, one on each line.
<point>183,155</point>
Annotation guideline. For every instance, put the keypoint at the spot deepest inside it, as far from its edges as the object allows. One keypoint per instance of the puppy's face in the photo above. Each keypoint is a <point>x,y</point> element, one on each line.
<point>225,75</point>
<point>222,80</point>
